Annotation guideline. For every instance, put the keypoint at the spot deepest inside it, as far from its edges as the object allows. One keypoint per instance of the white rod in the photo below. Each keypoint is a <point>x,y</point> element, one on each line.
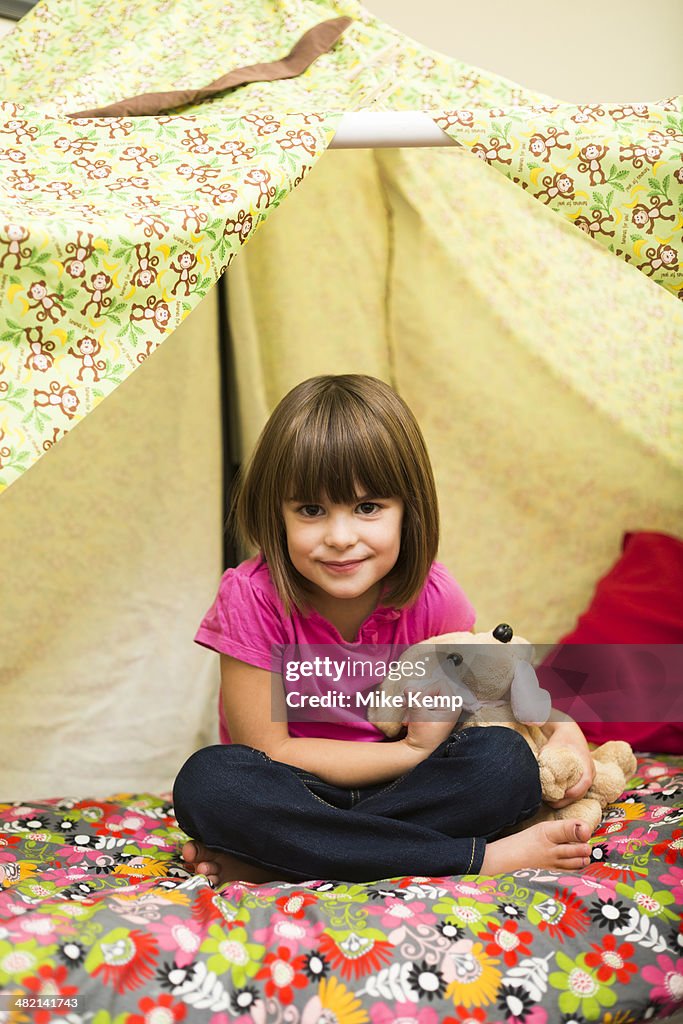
<point>370,129</point>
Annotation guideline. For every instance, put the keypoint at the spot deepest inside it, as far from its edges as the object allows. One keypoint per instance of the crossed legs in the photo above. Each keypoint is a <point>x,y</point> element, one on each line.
<point>253,818</point>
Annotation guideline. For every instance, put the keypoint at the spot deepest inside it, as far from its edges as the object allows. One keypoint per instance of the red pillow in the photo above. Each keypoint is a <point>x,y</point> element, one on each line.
<point>640,601</point>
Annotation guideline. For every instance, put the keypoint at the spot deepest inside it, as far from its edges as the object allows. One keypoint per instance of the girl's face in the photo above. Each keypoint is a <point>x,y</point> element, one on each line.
<point>344,550</point>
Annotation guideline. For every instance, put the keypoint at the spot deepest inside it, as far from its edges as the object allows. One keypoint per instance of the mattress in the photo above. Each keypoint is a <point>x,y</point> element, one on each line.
<point>100,921</point>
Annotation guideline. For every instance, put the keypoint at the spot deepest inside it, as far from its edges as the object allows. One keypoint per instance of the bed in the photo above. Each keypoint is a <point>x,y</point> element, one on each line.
<point>100,921</point>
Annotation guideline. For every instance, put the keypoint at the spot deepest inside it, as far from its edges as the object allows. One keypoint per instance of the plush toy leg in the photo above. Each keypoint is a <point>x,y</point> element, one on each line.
<point>560,769</point>
<point>587,810</point>
<point>617,752</point>
<point>608,783</point>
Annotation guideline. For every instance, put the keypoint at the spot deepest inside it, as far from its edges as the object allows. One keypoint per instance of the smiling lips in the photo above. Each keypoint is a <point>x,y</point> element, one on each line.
<point>343,566</point>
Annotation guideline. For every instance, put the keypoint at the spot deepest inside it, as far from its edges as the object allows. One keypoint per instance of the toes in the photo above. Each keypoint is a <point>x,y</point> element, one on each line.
<point>211,874</point>
<point>571,831</point>
<point>574,852</point>
<point>207,867</point>
<point>190,852</point>
<point>568,830</point>
<point>575,863</point>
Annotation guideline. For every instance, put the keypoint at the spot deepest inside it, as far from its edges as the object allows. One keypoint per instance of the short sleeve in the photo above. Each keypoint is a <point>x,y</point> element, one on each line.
<point>243,622</point>
<point>446,609</point>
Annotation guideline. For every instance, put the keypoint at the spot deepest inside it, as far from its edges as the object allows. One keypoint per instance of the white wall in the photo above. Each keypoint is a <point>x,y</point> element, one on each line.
<point>582,51</point>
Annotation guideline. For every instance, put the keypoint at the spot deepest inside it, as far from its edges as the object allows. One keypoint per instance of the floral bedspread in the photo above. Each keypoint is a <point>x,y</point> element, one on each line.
<point>100,922</point>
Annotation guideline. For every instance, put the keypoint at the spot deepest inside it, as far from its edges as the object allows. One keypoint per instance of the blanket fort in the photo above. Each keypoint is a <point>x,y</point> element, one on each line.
<point>114,228</point>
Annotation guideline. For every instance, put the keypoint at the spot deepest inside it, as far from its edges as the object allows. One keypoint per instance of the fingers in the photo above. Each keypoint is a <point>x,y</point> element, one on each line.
<point>579,789</point>
<point>557,804</point>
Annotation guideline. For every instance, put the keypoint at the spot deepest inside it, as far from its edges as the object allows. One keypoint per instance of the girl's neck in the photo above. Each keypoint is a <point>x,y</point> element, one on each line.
<point>347,616</point>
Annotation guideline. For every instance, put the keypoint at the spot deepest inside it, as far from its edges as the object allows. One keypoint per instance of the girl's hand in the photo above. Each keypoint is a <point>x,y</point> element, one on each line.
<point>568,734</point>
<point>428,727</point>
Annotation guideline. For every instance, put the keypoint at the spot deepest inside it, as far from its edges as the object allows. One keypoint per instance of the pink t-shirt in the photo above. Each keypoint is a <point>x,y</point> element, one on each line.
<point>248,621</point>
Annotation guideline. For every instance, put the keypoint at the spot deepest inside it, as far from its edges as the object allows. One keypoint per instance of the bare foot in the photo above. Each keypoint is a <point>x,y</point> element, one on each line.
<point>560,845</point>
<point>220,867</point>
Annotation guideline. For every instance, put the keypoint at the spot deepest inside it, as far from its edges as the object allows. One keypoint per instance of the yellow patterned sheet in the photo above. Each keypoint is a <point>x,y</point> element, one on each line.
<point>114,228</point>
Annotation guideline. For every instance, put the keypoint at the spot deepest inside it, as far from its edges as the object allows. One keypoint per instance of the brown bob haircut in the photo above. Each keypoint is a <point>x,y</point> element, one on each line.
<point>328,436</point>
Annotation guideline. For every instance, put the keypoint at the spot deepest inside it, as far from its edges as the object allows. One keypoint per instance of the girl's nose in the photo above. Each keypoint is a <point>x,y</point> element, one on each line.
<point>341,531</point>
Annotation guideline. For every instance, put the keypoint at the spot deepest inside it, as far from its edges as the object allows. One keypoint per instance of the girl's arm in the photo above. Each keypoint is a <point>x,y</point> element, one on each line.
<point>246,693</point>
<point>562,731</point>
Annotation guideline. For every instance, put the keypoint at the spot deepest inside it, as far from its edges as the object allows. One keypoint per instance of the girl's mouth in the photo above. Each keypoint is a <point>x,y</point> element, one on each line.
<point>343,567</point>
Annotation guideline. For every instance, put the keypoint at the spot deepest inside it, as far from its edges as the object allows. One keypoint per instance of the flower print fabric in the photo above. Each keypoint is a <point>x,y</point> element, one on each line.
<point>96,901</point>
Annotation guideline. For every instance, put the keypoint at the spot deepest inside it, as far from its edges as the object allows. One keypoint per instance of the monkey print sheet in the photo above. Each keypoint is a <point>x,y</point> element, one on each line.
<point>99,922</point>
<point>112,229</point>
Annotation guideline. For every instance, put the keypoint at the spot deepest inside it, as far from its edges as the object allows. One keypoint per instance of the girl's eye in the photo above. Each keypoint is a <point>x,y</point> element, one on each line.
<point>368,507</point>
<point>309,511</point>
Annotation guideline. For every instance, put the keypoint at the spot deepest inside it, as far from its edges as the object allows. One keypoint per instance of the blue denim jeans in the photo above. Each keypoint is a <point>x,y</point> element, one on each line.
<point>432,821</point>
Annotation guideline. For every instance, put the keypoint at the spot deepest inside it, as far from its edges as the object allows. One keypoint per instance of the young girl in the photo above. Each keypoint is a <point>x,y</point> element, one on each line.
<point>339,499</point>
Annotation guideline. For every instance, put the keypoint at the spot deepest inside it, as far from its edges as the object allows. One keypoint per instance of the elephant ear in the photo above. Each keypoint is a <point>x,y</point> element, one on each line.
<point>525,650</point>
<point>530,704</point>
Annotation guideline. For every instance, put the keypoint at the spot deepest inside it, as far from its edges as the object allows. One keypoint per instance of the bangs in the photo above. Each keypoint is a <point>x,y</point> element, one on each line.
<point>342,454</point>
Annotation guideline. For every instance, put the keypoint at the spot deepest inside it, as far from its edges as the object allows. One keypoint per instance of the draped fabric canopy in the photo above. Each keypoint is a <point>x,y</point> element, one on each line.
<point>114,228</point>
<point>543,369</point>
